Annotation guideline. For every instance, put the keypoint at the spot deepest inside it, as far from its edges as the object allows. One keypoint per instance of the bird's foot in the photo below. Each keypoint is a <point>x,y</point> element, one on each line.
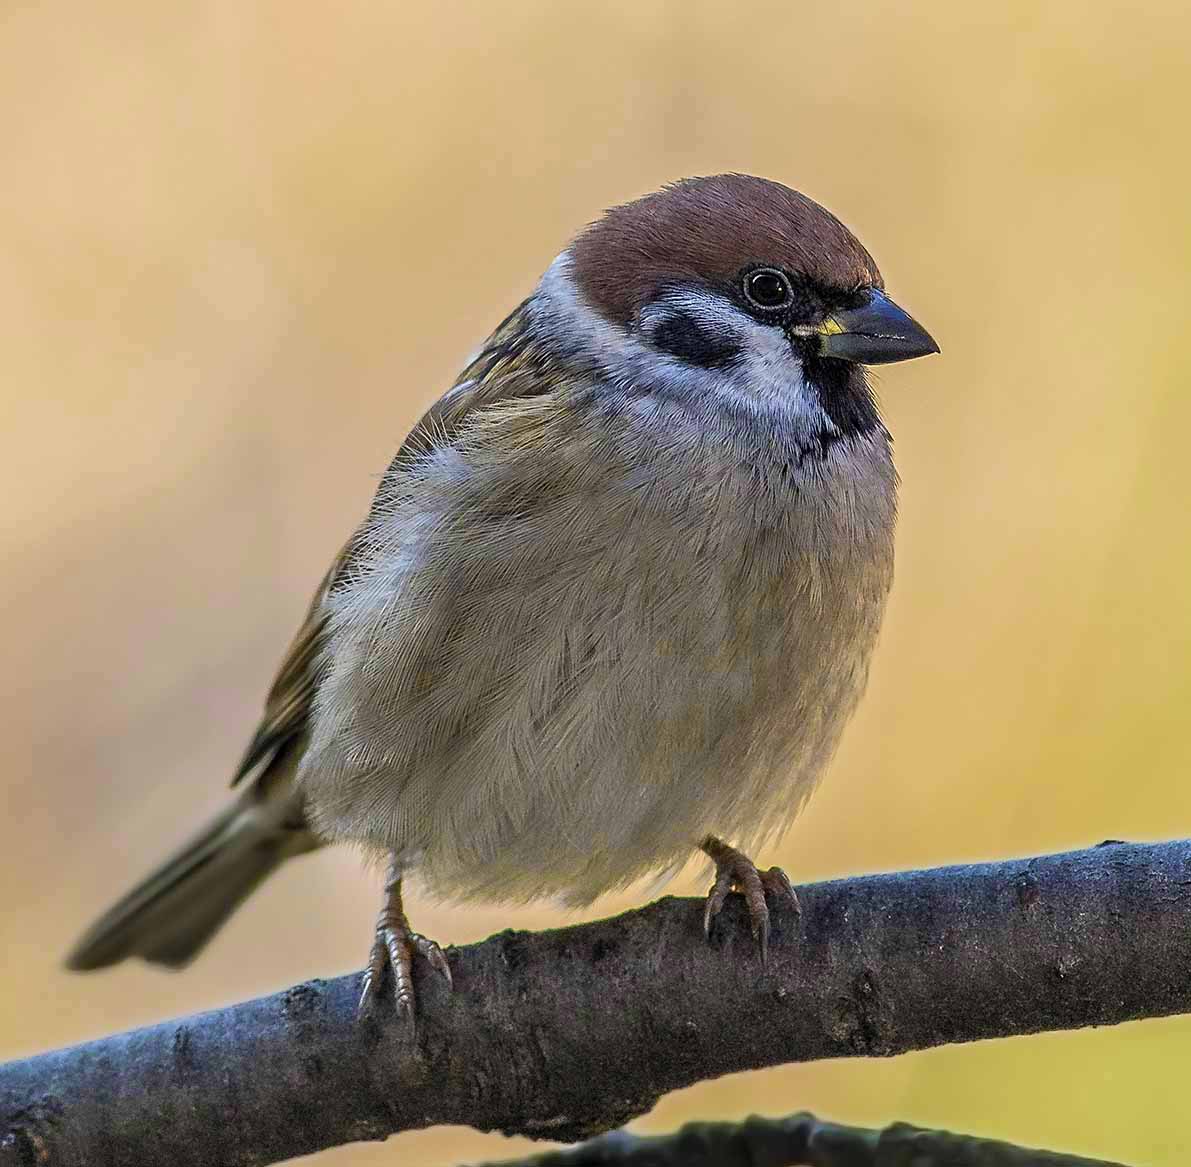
<point>736,871</point>
<point>393,948</point>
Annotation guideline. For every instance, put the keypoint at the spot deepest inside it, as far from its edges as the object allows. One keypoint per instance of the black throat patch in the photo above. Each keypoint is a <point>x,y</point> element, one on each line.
<point>843,391</point>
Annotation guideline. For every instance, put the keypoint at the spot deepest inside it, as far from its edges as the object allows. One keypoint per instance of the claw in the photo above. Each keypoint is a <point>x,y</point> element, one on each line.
<point>393,948</point>
<point>716,896</point>
<point>436,957</point>
<point>775,880</point>
<point>735,871</point>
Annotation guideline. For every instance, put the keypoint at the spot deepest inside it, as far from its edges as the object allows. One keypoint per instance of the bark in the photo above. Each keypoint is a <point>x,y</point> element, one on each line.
<point>564,1034</point>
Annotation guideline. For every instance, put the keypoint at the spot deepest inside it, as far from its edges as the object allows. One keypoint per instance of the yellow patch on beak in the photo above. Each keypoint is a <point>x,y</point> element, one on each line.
<point>829,327</point>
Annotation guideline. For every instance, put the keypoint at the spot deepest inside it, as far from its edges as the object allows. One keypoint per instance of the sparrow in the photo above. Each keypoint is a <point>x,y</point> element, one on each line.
<point>614,601</point>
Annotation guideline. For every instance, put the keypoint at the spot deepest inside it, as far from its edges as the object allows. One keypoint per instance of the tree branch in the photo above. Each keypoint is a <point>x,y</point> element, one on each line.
<point>564,1034</point>
<point>801,1140</point>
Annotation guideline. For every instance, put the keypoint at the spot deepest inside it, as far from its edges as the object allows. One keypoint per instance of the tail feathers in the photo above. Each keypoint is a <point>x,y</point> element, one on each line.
<point>172,914</point>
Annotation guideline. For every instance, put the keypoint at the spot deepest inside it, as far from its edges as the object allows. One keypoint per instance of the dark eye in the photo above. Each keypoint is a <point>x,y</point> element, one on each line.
<point>767,288</point>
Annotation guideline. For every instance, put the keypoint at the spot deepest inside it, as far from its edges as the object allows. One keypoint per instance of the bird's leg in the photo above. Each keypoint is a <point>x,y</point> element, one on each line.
<point>393,948</point>
<point>735,870</point>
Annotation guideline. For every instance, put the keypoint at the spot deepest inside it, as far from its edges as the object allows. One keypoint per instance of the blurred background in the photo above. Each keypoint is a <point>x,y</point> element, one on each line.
<point>242,247</point>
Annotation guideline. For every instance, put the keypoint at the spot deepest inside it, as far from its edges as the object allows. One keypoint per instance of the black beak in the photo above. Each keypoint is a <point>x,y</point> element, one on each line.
<point>876,333</point>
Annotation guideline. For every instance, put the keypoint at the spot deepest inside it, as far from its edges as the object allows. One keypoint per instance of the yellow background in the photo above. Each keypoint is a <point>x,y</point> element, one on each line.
<point>241,247</point>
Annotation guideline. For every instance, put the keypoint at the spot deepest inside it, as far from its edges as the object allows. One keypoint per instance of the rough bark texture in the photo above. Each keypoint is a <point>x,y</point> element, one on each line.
<point>564,1034</point>
<point>801,1140</point>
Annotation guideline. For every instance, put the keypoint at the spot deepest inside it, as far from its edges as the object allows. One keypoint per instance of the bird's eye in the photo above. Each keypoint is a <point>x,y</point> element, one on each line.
<point>767,288</point>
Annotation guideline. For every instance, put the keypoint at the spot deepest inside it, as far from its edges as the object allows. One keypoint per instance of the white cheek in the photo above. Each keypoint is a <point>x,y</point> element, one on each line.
<point>773,371</point>
<point>768,379</point>
<point>768,372</point>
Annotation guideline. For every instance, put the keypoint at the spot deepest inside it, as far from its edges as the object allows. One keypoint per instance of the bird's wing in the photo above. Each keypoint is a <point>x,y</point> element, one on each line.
<point>491,376</point>
<point>288,702</point>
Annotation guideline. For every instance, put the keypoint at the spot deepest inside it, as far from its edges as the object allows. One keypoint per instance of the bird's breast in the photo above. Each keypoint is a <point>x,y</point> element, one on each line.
<point>561,666</point>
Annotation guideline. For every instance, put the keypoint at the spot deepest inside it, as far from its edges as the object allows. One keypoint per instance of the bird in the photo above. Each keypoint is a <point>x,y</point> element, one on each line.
<point>613,603</point>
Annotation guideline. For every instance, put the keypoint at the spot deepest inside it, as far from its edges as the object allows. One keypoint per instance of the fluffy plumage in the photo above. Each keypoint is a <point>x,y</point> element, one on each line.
<point>598,623</point>
<point>617,591</point>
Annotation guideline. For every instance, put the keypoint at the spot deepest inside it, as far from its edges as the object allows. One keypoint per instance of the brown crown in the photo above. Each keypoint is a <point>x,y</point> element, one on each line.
<point>708,229</point>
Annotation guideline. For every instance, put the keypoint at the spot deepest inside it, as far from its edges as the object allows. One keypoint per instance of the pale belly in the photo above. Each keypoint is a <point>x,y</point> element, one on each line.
<point>516,713</point>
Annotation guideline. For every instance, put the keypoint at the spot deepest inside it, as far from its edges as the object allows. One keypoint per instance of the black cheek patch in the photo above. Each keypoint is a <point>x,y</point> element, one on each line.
<point>681,336</point>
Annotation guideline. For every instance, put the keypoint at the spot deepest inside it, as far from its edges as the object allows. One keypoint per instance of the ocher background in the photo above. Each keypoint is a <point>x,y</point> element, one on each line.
<point>245,244</point>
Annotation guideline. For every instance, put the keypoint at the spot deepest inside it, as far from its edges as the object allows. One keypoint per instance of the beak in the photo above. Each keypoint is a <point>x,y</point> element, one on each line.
<point>876,333</point>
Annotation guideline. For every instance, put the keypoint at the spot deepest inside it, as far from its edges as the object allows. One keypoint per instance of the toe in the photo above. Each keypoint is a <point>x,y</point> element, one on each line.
<point>754,897</point>
<point>777,883</point>
<point>716,897</point>
<point>393,951</point>
<point>400,962</point>
<point>374,975</point>
<point>435,957</point>
<point>735,871</point>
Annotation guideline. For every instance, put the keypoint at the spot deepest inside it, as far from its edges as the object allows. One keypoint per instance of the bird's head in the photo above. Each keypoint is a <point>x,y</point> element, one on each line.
<point>741,282</point>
